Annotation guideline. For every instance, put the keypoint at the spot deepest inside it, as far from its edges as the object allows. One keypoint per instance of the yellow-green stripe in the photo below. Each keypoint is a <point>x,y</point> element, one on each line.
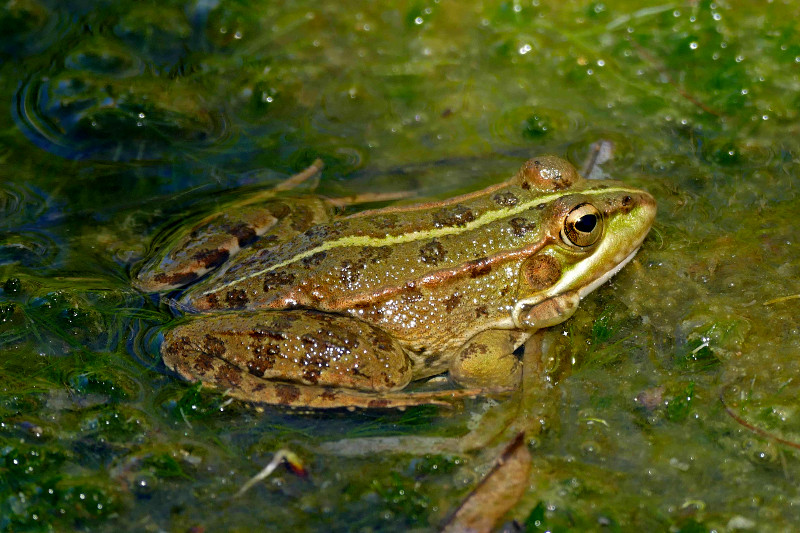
<point>363,240</point>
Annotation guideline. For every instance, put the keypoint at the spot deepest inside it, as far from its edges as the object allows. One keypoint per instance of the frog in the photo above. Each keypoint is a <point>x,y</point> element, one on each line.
<point>288,303</point>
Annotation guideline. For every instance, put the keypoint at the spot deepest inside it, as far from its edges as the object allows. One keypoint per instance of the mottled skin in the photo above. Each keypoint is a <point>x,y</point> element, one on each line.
<point>346,312</point>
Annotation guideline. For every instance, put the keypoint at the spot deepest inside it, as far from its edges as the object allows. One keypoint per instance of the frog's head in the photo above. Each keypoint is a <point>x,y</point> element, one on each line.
<point>591,230</point>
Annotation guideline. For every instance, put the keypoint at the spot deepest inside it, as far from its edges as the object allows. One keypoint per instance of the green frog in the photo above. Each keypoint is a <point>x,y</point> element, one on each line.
<point>290,305</point>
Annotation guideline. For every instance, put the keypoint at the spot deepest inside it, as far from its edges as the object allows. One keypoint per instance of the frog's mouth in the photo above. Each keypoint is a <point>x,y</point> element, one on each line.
<point>608,275</point>
<point>544,311</point>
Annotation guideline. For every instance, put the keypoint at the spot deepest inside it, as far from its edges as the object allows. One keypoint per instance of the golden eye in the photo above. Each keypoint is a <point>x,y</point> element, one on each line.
<point>583,226</point>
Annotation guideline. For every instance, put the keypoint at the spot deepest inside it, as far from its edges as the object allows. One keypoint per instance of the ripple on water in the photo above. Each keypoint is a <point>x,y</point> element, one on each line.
<point>522,125</point>
<point>28,27</point>
<point>737,153</point>
<point>32,249</point>
<point>340,159</point>
<point>145,343</point>
<point>103,57</point>
<point>21,205</point>
<point>97,103</point>
<point>162,34</point>
<point>22,241</point>
<point>11,201</point>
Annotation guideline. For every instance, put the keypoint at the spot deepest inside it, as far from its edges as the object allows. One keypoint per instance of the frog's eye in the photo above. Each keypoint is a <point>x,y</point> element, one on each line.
<point>583,226</point>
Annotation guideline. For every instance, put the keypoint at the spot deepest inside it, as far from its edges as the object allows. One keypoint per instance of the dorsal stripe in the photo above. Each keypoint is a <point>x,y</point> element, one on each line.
<point>368,241</point>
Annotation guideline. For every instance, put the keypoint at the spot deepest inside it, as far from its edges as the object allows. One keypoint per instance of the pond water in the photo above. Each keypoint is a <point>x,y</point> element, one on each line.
<point>674,403</point>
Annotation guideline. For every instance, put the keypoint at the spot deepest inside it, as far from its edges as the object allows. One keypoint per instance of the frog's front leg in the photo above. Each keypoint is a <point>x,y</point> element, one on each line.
<point>296,358</point>
<point>488,360</point>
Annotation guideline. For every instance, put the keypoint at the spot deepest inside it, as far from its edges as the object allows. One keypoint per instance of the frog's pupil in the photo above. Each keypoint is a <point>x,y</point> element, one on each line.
<point>586,223</point>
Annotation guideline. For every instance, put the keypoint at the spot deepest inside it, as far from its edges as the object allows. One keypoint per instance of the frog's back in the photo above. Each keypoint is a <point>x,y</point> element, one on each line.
<point>387,261</point>
<point>353,261</point>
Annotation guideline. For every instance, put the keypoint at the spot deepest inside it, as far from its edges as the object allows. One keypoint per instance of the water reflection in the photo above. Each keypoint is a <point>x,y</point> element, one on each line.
<point>101,101</point>
<point>22,240</point>
<point>27,249</point>
<point>28,27</point>
<point>103,57</point>
<point>20,204</point>
<point>163,39</point>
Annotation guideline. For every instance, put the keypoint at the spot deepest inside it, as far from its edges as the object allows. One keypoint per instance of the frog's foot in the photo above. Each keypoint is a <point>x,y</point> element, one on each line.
<point>368,197</point>
<point>290,183</point>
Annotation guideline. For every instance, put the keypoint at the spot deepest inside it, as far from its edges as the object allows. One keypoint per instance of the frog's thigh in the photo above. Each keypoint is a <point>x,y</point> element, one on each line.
<point>488,360</point>
<point>303,347</point>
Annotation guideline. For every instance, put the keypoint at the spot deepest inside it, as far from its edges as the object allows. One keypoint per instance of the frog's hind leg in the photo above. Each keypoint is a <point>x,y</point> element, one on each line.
<point>210,242</point>
<point>246,387</point>
<point>200,365</point>
<point>297,358</point>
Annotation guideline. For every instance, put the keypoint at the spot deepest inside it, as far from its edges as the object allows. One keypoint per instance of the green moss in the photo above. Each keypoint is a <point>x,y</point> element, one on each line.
<point>536,126</point>
<point>38,494</point>
<point>681,405</point>
<point>404,497</point>
<point>563,520</point>
<point>165,465</point>
<point>194,403</point>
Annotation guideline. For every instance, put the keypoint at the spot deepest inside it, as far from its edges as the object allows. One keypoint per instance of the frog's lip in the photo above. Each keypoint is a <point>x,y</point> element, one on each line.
<point>586,289</point>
